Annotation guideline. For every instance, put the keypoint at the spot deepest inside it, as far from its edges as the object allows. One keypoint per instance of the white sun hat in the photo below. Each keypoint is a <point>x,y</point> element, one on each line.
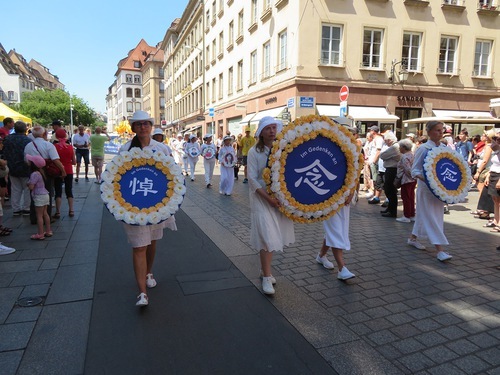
<point>266,121</point>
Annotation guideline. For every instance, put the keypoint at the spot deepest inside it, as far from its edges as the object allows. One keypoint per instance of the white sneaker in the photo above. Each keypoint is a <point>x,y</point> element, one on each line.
<point>267,285</point>
<point>442,256</point>
<point>4,250</point>
<point>403,219</point>
<point>416,244</point>
<point>273,280</point>
<point>369,195</point>
<point>142,300</point>
<point>345,274</point>
<point>325,262</point>
<point>150,281</point>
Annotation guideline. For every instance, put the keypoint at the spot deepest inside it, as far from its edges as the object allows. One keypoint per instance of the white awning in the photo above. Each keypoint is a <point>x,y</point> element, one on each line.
<point>196,127</point>
<point>247,119</point>
<point>495,102</point>
<point>358,113</point>
<point>462,114</point>
<point>274,112</point>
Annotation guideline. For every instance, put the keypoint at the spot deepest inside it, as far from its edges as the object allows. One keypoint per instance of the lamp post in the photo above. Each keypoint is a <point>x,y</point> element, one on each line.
<point>403,72</point>
<point>71,115</point>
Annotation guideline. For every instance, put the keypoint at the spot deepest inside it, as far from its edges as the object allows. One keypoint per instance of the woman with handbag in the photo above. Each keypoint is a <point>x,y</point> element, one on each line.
<point>406,181</point>
<point>68,159</point>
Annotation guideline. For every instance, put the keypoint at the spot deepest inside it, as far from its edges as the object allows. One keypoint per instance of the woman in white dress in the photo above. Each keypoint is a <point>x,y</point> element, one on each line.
<point>193,151</point>
<point>143,237</point>
<point>208,152</point>
<point>429,220</point>
<point>270,229</point>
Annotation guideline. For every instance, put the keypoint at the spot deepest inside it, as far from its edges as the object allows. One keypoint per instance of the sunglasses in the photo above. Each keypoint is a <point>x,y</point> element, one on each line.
<point>142,123</point>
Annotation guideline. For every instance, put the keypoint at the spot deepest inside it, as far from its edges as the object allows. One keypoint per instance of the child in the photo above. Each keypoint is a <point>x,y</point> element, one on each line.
<point>208,152</point>
<point>270,229</point>
<point>40,196</point>
<point>227,159</point>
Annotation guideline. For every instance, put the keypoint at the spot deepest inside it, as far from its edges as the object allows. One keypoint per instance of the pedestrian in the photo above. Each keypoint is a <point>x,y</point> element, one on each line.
<point>143,237</point>
<point>97,141</point>
<point>429,220</point>
<point>246,143</point>
<point>19,171</point>
<point>390,157</point>
<point>270,229</point>
<point>41,147</point>
<point>81,141</point>
<point>227,159</point>
<point>193,151</point>
<point>373,160</point>
<point>185,161</point>
<point>493,182</point>
<point>408,183</point>
<point>239,156</point>
<point>178,149</point>
<point>68,159</point>
<point>208,152</point>
<point>40,196</point>
<point>158,135</point>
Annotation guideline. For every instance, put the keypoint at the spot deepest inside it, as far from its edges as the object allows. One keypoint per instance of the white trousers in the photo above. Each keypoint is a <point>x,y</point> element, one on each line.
<point>226,180</point>
<point>20,193</point>
<point>192,166</point>
<point>185,164</point>
<point>209,165</point>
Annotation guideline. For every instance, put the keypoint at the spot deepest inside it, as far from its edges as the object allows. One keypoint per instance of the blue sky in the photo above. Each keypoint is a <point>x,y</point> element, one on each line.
<point>82,42</point>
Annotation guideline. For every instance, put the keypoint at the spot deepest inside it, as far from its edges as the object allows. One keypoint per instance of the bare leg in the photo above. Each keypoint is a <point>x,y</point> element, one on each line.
<point>140,267</point>
<point>58,205</point>
<point>39,219</point>
<point>324,249</point>
<point>86,171</point>
<point>46,219</point>
<point>70,204</point>
<point>77,170</point>
<point>150,256</point>
<point>339,257</point>
<point>266,258</point>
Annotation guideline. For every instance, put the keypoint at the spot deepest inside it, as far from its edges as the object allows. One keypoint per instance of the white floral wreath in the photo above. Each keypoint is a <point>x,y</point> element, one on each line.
<point>299,131</point>
<point>124,211</point>
<point>433,156</point>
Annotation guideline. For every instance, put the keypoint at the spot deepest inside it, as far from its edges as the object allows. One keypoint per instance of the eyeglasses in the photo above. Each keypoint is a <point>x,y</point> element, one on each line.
<point>142,123</point>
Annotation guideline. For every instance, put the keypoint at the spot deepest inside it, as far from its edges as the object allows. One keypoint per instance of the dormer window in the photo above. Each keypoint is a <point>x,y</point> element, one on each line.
<point>137,64</point>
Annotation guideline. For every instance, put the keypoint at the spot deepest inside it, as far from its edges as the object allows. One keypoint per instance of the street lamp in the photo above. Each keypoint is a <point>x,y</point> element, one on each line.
<point>403,72</point>
<point>71,115</point>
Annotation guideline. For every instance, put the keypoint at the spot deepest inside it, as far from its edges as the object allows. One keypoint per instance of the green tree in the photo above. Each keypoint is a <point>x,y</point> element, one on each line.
<point>45,106</point>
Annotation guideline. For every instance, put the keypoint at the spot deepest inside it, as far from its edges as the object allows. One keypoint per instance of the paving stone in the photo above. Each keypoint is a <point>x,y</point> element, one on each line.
<point>8,298</point>
<point>416,362</point>
<point>492,356</point>
<point>440,354</point>
<point>446,369</point>
<point>452,332</point>
<point>9,361</point>
<point>36,277</point>
<point>24,314</point>
<point>15,336</point>
<point>471,364</point>
<point>484,340</point>
<point>408,345</point>
<point>39,290</point>
<point>382,337</point>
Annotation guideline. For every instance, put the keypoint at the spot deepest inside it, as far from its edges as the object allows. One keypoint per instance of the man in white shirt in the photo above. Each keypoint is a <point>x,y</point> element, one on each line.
<point>81,144</point>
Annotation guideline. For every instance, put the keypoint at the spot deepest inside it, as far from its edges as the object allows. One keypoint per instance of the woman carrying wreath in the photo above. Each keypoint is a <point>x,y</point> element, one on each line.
<point>143,237</point>
<point>429,220</point>
<point>270,229</point>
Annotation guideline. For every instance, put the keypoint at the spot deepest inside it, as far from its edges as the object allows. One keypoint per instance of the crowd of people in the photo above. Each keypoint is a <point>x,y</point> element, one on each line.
<point>35,167</point>
<point>391,165</point>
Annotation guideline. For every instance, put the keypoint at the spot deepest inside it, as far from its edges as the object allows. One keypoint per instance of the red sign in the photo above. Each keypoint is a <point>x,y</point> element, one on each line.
<point>344,93</point>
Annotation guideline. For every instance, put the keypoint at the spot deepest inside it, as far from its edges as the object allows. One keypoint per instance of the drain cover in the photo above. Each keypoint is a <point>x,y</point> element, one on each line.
<point>29,301</point>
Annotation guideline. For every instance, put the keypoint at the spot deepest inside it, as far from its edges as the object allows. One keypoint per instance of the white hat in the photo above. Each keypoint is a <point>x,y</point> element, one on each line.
<point>158,131</point>
<point>227,137</point>
<point>140,116</point>
<point>411,135</point>
<point>266,121</point>
<point>207,136</point>
<point>192,136</point>
<point>179,135</point>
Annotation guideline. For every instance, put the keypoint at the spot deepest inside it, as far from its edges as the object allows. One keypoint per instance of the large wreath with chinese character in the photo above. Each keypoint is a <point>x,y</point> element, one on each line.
<point>313,167</point>
<point>447,174</point>
<point>142,187</point>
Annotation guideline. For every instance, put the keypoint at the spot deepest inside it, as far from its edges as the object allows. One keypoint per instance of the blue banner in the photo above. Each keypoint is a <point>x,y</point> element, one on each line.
<point>143,186</point>
<point>448,173</point>
<point>315,170</point>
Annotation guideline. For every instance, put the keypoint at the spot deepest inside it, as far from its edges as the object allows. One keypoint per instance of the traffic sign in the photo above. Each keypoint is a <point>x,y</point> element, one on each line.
<point>211,112</point>
<point>343,108</point>
<point>344,93</point>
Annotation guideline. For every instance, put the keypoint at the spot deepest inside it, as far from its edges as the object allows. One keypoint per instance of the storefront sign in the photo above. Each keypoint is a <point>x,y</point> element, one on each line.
<point>272,100</point>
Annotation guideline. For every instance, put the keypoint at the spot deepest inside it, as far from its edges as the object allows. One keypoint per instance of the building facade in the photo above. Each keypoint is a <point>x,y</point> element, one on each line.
<point>234,61</point>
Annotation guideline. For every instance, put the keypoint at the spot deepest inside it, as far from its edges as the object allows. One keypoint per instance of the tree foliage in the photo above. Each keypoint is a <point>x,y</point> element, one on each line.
<point>45,106</point>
